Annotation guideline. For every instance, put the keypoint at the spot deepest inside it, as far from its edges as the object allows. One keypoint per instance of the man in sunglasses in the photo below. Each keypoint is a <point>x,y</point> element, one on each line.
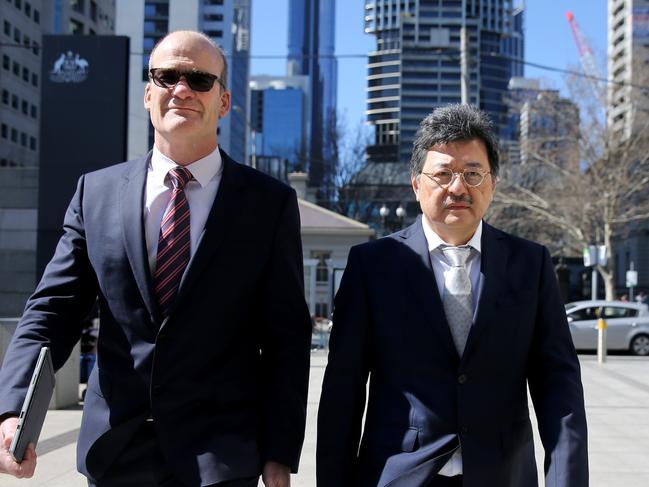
<point>451,320</point>
<point>196,263</point>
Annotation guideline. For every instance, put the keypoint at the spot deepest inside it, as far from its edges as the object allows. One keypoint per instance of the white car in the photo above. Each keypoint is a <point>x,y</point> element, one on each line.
<point>628,325</point>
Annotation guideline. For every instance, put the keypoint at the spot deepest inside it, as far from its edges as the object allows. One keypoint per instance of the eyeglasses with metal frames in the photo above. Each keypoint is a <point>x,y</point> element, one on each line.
<point>196,80</point>
<point>444,177</point>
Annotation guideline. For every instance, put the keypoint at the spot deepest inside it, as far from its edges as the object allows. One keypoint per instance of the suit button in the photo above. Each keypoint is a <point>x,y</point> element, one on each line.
<point>461,379</point>
<point>156,390</point>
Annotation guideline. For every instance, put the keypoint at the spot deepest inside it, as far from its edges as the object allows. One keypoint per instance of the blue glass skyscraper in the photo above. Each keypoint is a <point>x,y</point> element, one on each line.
<point>311,46</point>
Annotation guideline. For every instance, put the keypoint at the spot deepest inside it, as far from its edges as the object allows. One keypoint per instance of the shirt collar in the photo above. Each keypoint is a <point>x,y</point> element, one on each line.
<point>203,170</point>
<point>435,241</point>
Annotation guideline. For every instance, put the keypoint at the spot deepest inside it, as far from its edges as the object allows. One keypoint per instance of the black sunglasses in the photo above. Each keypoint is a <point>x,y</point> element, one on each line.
<point>196,80</point>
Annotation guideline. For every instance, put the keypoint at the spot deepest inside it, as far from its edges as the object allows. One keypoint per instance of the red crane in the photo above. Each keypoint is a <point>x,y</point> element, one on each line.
<point>587,59</point>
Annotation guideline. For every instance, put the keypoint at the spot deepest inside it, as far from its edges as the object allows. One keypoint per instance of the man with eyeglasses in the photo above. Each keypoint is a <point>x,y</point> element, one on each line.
<point>451,320</point>
<point>196,262</point>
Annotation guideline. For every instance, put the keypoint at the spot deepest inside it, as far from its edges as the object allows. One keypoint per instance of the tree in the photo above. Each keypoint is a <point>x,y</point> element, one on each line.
<point>545,196</point>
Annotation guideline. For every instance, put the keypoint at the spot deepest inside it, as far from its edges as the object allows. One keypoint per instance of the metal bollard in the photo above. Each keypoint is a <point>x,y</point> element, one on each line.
<point>601,340</point>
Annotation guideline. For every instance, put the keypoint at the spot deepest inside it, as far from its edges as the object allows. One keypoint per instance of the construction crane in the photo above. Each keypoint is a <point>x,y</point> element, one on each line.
<point>587,59</point>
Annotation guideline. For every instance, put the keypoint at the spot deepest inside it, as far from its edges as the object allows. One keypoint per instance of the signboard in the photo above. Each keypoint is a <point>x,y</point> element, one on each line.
<point>595,255</point>
<point>631,278</point>
<point>84,110</point>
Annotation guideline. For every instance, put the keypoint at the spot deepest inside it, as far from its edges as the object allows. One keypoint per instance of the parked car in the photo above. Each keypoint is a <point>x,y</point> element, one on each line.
<point>628,325</point>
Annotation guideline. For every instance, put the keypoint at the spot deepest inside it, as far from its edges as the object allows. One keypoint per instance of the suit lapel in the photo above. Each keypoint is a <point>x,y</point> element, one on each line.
<point>493,268</point>
<point>225,209</point>
<point>131,209</point>
<point>421,277</point>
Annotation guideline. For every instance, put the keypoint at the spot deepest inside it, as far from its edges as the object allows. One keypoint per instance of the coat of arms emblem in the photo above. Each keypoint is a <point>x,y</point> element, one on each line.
<point>69,68</point>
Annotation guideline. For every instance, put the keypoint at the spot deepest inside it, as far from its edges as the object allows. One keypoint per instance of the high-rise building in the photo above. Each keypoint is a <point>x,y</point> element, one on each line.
<point>278,118</point>
<point>416,65</point>
<point>227,22</point>
<point>628,54</point>
<point>549,129</point>
<point>24,22</point>
<point>311,47</point>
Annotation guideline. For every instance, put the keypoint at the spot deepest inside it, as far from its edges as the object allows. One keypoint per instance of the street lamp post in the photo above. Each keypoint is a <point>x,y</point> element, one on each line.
<point>401,215</point>
<point>384,212</point>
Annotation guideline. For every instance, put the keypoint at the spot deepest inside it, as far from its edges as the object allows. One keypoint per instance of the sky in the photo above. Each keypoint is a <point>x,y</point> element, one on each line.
<point>548,41</point>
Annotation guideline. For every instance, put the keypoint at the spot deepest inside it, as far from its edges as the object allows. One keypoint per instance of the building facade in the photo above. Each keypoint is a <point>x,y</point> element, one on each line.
<point>279,112</point>
<point>627,115</point>
<point>227,22</point>
<point>415,68</point>
<point>24,22</point>
<point>311,52</point>
<point>416,65</point>
<point>628,53</point>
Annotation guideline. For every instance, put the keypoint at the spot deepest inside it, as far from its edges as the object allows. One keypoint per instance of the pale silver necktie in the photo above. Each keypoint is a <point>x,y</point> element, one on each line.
<point>458,301</point>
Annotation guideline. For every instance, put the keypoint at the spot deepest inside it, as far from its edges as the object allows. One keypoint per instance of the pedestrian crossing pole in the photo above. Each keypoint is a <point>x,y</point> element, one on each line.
<point>601,340</point>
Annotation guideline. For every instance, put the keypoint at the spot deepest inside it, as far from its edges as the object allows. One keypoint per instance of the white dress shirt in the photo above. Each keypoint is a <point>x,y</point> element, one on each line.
<point>200,193</point>
<point>440,267</point>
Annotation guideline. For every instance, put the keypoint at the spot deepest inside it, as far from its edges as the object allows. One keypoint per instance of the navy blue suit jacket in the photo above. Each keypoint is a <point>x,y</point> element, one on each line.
<point>225,376</point>
<point>424,401</point>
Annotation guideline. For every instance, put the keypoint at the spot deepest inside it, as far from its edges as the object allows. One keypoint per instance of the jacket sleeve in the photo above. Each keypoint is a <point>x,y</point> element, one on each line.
<point>53,314</point>
<point>286,342</point>
<point>343,392</point>
<point>555,386</point>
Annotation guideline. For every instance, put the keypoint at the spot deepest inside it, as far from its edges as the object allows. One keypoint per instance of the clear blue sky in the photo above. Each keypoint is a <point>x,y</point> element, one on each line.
<point>548,41</point>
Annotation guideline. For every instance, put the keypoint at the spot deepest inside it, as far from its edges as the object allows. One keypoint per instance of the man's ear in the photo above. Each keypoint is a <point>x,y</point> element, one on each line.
<point>415,186</point>
<point>225,103</point>
<point>147,97</point>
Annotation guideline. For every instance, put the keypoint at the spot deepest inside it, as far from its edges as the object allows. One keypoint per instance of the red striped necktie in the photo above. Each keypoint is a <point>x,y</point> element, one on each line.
<point>174,241</point>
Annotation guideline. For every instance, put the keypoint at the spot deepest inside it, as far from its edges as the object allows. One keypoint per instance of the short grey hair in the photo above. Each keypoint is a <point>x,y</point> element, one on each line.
<point>224,74</point>
<point>454,123</point>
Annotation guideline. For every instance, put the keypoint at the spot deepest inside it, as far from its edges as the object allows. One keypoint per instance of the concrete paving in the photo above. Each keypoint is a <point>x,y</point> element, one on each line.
<point>617,403</point>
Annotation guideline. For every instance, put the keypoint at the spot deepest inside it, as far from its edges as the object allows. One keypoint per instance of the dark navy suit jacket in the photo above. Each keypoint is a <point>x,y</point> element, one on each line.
<point>424,401</point>
<point>225,376</point>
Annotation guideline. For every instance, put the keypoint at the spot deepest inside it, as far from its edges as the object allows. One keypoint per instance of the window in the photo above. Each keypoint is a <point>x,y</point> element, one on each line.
<point>93,11</point>
<point>14,135</point>
<point>214,33</point>
<point>7,28</point>
<point>28,9</point>
<point>14,102</point>
<point>32,143</point>
<point>585,314</point>
<point>24,106</point>
<point>619,312</point>
<point>25,74</point>
<point>6,63</point>
<point>76,27</point>
<point>5,131</point>
<point>322,269</point>
<point>17,35</point>
<point>16,68</point>
<point>213,2</point>
<point>27,41</point>
<point>5,97</point>
<point>322,309</point>
<point>34,111</point>
<point>34,79</point>
<point>37,16</point>
<point>214,17</point>
<point>18,4</point>
<point>23,139</point>
<point>77,5</point>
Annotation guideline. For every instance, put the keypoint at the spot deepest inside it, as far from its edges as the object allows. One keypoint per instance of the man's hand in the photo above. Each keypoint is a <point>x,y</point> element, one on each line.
<point>23,470</point>
<point>276,475</point>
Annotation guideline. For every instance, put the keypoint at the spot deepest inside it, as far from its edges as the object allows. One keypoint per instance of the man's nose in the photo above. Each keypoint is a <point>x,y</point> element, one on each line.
<point>457,185</point>
<point>182,89</point>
